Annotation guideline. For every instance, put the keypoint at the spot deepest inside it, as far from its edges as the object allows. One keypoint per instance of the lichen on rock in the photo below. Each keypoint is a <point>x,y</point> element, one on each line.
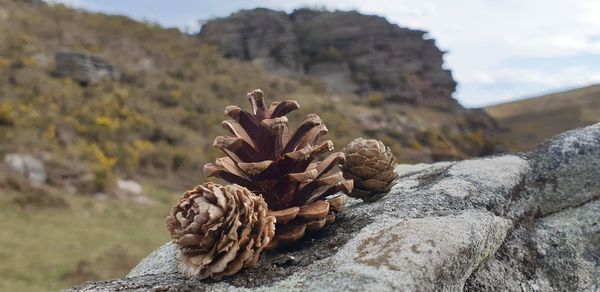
<point>526,222</point>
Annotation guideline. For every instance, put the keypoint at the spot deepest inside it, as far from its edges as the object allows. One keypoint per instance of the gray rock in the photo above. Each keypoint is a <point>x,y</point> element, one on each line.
<point>161,261</point>
<point>350,52</point>
<point>84,68</point>
<point>264,37</point>
<point>568,243</point>
<point>132,191</point>
<point>429,253</point>
<point>129,187</point>
<point>28,166</point>
<point>565,171</point>
<point>558,252</point>
<point>478,225</point>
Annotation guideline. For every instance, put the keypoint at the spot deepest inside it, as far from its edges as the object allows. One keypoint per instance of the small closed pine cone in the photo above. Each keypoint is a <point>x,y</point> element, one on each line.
<point>219,229</point>
<point>371,165</point>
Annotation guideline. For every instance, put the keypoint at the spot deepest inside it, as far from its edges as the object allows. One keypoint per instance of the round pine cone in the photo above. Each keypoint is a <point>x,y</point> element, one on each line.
<point>219,229</point>
<point>371,165</point>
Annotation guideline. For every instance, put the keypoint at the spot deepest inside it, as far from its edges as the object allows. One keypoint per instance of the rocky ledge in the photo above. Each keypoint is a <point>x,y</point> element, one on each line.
<point>523,222</point>
<point>348,51</point>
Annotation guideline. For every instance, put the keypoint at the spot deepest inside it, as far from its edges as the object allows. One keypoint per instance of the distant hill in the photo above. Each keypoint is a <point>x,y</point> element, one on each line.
<point>530,121</point>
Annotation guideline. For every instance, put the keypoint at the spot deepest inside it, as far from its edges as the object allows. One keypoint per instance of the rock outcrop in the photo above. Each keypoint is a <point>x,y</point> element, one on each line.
<point>84,68</point>
<point>130,190</point>
<point>350,52</point>
<point>523,222</point>
<point>28,166</point>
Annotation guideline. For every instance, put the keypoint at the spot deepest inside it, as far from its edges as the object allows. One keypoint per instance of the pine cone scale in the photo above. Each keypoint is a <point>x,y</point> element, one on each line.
<point>315,210</point>
<point>310,122</point>
<point>278,109</point>
<point>316,225</point>
<point>370,164</point>
<point>291,232</point>
<point>285,215</point>
<point>237,130</point>
<point>336,203</point>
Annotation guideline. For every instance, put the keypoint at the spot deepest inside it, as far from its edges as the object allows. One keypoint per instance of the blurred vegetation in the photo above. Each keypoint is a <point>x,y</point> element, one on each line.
<point>159,120</point>
<point>375,99</point>
<point>156,124</point>
<point>51,247</point>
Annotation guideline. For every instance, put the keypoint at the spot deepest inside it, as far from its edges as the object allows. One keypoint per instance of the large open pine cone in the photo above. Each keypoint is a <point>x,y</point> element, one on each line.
<point>268,159</point>
<point>219,229</point>
<point>371,165</point>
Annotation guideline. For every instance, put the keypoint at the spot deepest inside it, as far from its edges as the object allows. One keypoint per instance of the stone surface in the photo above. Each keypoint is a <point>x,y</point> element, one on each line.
<point>28,166</point>
<point>424,253</point>
<point>525,222</point>
<point>129,187</point>
<point>161,261</point>
<point>565,171</point>
<point>132,191</point>
<point>267,39</point>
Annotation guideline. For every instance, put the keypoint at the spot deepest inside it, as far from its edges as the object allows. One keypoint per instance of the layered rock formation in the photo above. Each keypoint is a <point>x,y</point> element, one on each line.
<point>28,166</point>
<point>348,51</point>
<point>525,222</point>
<point>84,68</point>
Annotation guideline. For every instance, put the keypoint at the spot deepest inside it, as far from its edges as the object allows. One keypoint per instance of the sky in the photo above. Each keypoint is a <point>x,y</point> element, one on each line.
<point>498,50</point>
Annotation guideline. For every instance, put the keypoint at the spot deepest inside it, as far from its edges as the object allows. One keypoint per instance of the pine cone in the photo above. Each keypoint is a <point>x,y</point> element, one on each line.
<point>219,229</point>
<point>268,159</point>
<point>371,165</point>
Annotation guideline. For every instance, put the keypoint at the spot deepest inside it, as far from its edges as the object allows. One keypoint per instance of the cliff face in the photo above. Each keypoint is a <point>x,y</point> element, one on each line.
<point>349,52</point>
<point>262,36</point>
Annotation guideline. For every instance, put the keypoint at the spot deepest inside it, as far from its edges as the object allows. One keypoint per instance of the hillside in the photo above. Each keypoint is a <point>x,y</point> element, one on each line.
<point>170,88</point>
<point>530,121</point>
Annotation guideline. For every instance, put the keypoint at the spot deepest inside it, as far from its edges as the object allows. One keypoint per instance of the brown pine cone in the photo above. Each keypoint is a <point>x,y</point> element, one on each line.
<point>284,165</point>
<point>219,229</point>
<point>371,165</point>
<point>294,222</point>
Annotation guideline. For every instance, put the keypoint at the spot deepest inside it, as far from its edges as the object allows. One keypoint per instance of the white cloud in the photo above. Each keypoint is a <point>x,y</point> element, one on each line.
<point>512,83</point>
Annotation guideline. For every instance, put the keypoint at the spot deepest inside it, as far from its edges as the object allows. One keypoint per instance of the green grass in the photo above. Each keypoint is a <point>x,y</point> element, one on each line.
<point>45,249</point>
